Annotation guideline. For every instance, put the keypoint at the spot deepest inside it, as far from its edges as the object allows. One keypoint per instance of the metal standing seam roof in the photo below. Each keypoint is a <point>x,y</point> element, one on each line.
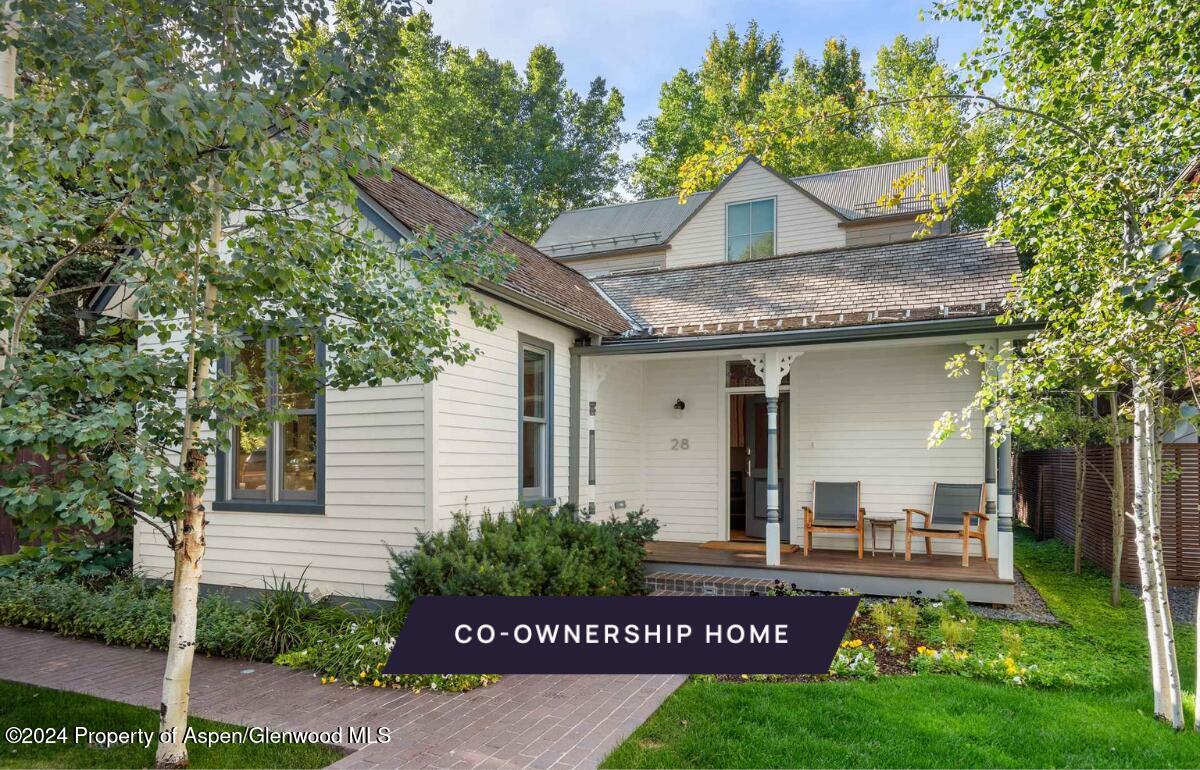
<point>950,276</point>
<point>852,193</point>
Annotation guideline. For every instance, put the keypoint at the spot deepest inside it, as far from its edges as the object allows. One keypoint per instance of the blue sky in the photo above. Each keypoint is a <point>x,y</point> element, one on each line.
<point>637,44</point>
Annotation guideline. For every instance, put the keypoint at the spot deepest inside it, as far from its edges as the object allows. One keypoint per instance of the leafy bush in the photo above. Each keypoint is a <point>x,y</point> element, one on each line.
<point>79,559</point>
<point>354,651</point>
<point>529,552</point>
<point>126,611</point>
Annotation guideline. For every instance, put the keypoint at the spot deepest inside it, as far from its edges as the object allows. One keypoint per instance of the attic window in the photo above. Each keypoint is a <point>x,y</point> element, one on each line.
<point>750,230</point>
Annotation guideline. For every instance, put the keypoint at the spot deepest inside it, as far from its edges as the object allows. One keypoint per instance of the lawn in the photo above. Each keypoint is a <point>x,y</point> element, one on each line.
<point>26,706</point>
<point>947,721</point>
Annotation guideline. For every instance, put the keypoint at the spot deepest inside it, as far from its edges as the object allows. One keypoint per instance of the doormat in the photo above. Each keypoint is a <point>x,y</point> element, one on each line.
<point>744,547</point>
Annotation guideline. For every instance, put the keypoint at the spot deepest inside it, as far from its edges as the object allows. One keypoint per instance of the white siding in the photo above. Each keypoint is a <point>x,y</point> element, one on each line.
<point>857,414</point>
<point>620,439</point>
<point>888,232</point>
<point>604,265</point>
<point>679,486</point>
<point>801,223</point>
<point>374,498</point>
<point>476,418</point>
<point>865,415</point>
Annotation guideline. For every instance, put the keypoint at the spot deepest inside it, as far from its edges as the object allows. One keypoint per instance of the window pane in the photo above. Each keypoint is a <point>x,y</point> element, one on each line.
<point>739,219</point>
<point>250,463</point>
<point>532,455</point>
<point>299,460</point>
<point>533,384</point>
<point>764,245</point>
<point>764,216</point>
<point>296,365</point>
<point>739,248</point>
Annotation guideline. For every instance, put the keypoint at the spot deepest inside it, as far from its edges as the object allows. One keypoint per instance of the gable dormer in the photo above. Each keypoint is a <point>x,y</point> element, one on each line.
<point>755,212</point>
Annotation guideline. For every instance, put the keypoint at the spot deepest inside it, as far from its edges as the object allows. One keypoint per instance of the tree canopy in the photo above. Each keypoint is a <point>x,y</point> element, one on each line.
<point>816,115</point>
<point>519,145</point>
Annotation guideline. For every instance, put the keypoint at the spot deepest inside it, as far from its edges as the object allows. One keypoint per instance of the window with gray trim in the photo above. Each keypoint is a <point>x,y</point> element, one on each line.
<point>750,230</point>
<point>277,464</point>
<point>535,440</point>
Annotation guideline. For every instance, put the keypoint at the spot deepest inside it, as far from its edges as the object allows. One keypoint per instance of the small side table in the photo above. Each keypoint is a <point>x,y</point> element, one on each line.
<point>888,521</point>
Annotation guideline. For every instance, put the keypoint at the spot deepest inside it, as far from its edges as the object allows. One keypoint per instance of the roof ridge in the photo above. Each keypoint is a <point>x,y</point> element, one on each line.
<point>632,203</point>
<point>479,218</point>
<point>812,252</point>
<point>860,168</point>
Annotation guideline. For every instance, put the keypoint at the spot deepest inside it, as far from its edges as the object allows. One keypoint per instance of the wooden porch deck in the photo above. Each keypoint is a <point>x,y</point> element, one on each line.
<point>829,570</point>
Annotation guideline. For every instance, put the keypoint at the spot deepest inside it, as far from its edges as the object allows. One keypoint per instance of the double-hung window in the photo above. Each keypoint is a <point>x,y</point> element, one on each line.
<point>276,464</point>
<point>535,439</point>
<point>750,230</point>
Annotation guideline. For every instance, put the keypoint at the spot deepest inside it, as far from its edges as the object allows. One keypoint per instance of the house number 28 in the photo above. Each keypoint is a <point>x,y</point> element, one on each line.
<point>678,444</point>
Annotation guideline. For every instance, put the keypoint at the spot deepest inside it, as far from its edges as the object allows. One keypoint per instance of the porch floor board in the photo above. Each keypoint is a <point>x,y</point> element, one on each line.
<point>940,567</point>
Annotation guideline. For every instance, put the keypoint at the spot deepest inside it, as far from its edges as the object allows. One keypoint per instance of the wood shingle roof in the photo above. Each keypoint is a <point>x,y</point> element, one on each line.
<point>951,276</point>
<point>535,275</point>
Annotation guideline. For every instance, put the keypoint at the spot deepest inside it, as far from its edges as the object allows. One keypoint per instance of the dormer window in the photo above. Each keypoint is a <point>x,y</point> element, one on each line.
<point>750,230</point>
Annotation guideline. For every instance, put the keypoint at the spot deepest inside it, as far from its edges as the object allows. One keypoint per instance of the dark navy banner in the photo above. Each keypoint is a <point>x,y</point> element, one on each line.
<point>621,634</point>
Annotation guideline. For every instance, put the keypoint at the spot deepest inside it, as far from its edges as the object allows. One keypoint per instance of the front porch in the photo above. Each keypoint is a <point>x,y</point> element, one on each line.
<point>926,576</point>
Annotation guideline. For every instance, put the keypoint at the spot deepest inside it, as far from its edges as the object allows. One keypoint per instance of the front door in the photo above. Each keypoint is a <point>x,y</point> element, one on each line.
<point>756,467</point>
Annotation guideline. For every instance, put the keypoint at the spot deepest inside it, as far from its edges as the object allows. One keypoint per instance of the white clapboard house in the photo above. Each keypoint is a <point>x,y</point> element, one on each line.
<point>651,354</point>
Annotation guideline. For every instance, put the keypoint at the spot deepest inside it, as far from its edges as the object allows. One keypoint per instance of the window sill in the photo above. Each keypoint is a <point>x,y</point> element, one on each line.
<point>253,506</point>
<point>531,502</point>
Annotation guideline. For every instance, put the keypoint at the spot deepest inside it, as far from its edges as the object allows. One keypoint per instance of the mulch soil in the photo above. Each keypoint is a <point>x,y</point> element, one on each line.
<point>860,628</point>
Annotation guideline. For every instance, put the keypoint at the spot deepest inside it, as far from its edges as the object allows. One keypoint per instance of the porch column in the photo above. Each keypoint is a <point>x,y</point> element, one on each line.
<point>772,366</point>
<point>1004,500</point>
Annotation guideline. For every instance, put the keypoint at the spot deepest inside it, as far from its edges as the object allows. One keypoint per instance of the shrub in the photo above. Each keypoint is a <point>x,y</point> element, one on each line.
<point>126,611</point>
<point>353,652</point>
<point>80,559</point>
<point>528,552</point>
<point>955,605</point>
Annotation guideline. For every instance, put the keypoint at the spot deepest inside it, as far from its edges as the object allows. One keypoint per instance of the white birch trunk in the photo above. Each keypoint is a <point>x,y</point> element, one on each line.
<point>1163,664</point>
<point>189,554</point>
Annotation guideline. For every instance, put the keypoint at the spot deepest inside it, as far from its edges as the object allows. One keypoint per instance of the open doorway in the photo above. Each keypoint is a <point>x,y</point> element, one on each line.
<point>748,467</point>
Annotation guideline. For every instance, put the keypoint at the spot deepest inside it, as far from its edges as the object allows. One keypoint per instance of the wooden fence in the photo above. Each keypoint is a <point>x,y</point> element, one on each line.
<point>1045,487</point>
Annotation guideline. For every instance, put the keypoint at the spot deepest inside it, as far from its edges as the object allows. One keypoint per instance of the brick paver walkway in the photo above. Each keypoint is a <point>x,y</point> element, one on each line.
<point>522,721</point>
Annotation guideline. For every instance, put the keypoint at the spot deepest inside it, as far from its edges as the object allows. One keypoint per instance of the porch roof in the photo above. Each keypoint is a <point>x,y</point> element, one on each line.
<point>942,277</point>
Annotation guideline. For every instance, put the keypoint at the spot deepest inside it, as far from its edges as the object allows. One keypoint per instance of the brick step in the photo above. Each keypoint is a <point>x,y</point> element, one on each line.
<point>685,584</point>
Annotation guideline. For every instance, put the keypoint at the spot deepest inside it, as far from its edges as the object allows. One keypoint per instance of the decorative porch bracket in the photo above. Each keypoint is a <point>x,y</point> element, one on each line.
<point>772,366</point>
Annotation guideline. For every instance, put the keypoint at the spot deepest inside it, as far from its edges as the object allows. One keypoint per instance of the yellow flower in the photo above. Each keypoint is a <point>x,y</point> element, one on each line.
<point>377,683</point>
<point>323,680</point>
<point>870,646</point>
<point>361,674</point>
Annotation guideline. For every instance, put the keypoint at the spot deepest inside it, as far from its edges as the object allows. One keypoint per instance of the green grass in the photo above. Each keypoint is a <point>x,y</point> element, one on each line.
<point>27,706</point>
<point>946,721</point>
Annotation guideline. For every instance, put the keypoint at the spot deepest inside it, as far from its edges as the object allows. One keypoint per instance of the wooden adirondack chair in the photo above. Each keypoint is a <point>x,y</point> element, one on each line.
<point>954,509</point>
<point>837,508</point>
